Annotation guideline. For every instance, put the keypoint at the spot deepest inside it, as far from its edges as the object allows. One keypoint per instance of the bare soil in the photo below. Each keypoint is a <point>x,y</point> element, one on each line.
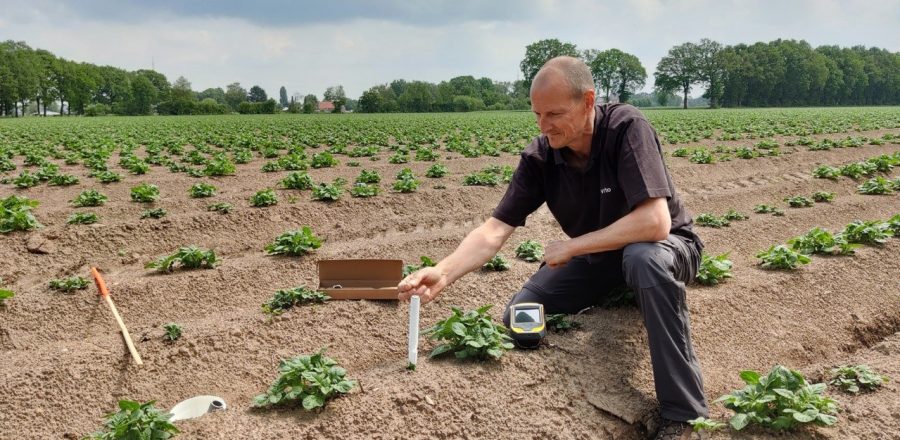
<point>64,365</point>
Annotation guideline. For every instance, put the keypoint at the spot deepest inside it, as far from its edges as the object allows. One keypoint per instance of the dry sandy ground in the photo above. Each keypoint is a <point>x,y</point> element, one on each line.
<point>63,364</point>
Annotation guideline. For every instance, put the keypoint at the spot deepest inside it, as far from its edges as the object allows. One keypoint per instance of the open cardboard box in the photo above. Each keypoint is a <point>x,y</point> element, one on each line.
<point>360,279</point>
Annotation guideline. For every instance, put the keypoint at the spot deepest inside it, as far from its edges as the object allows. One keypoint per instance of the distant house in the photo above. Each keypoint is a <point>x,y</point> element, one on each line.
<point>326,106</point>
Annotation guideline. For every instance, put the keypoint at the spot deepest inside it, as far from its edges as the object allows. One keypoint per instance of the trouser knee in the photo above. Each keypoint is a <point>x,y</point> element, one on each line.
<point>646,265</point>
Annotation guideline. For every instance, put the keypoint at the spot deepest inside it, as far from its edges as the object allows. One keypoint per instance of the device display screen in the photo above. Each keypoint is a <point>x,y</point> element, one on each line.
<point>528,315</point>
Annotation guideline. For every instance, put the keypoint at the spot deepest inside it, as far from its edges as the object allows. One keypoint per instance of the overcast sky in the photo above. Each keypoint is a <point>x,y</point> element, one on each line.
<point>307,46</point>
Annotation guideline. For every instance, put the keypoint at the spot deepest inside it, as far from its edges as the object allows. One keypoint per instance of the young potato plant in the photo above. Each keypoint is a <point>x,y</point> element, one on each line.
<point>876,185</point>
<point>714,270</point>
<point>871,232</point>
<point>323,160</point>
<point>472,334</point>
<point>820,241</point>
<point>767,209</point>
<point>781,257</point>
<point>823,197</point>
<point>481,178</point>
<point>703,424</point>
<point>297,180</point>
<point>364,190</point>
<point>26,180</point>
<point>69,284</point>
<point>310,380</point>
<point>145,193</point>
<point>368,176</point>
<point>221,207</point>
<point>107,176</point>
<point>406,182</point>
<point>189,257</point>
<point>711,221</point>
<point>172,332</point>
<point>497,264</point>
<point>15,214</point>
<point>154,213</point>
<point>5,295</point>
<point>894,225</point>
<point>286,298</point>
<point>328,192</point>
<point>856,378</point>
<point>89,198</point>
<point>410,268</point>
<point>263,198</point>
<point>299,242</point>
<point>435,171</point>
<point>530,250</point>
<point>733,215</point>
<point>63,180</point>
<point>799,202</point>
<point>219,166</point>
<point>136,421</point>
<point>82,218</point>
<point>780,400</point>
<point>201,190</point>
<point>560,323</point>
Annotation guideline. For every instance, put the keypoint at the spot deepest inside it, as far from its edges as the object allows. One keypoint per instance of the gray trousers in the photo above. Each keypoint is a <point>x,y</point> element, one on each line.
<point>657,273</point>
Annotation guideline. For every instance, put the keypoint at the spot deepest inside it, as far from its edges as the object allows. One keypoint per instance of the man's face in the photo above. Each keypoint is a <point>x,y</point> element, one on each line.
<point>560,118</point>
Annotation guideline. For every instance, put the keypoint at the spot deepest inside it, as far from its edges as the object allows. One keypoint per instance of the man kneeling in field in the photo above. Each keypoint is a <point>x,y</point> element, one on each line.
<point>600,170</point>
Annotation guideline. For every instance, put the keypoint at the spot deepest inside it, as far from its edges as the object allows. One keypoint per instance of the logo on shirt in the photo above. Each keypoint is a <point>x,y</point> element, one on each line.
<point>605,190</point>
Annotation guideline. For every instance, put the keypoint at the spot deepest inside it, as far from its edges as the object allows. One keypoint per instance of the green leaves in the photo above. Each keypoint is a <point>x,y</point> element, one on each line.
<point>5,295</point>
<point>560,323</point>
<point>89,198</point>
<point>172,332</point>
<point>201,189</point>
<point>489,176</point>
<point>311,380</point>
<point>298,242</point>
<point>823,196</point>
<point>766,209</point>
<point>714,270</point>
<point>827,172</point>
<point>876,185</point>
<point>287,298</point>
<point>781,257</point>
<point>364,190</point>
<point>853,379</point>
<point>435,171</point>
<point>15,214</point>
<point>497,264</point>
<point>870,232</point>
<point>219,166</point>
<point>410,268</point>
<point>297,180</point>
<point>704,424</point>
<point>221,207</point>
<point>406,182</point>
<point>69,284</point>
<point>781,400</point>
<point>711,220</point>
<point>263,198</point>
<point>368,176</point>
<point>323,160</point>
<point>472,334</point>
<point>154,213</point>
<point>329,192</point>
<point>190,257</point>
<point>145,193</point>
<point>799,202</point>
<point>136,421</point>
<point>820,241</point>
<point>530,250</point>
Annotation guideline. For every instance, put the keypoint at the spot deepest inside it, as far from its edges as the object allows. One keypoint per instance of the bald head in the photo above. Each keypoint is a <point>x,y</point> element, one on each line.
<point>571,71</point>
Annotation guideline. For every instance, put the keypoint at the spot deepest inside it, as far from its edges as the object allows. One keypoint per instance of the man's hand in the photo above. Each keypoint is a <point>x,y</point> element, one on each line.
<point>427,283</point>
<point>557,253</point>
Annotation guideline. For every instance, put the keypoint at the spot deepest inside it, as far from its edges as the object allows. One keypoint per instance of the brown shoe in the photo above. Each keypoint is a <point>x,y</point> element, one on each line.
<point>672,430</point>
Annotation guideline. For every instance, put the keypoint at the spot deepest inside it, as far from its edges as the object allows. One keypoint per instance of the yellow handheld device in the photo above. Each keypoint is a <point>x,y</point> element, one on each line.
<point>527,326</point>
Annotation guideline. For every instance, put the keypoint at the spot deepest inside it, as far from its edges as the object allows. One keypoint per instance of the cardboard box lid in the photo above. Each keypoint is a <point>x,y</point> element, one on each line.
<point>360,279</point>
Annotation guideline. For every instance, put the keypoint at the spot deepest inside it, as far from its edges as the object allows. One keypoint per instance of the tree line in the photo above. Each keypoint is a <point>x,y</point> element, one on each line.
<point>777,73</point>
<point>773,74</point>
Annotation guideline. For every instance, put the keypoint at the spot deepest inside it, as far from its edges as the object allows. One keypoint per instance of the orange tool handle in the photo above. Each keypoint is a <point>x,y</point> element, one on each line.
<point>101,285</point>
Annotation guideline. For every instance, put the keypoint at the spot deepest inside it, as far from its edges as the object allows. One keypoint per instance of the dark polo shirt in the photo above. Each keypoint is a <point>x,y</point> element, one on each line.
<point>624,169</point>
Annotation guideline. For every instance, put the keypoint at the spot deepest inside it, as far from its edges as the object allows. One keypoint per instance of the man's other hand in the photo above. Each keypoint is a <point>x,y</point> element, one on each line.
<point>557,253</point>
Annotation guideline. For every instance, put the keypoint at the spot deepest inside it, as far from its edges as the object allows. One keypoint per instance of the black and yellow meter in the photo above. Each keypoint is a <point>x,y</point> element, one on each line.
<point>527,326</point>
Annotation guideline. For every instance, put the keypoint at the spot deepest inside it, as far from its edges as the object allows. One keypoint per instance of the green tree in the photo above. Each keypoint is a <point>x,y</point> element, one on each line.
<point>418,97</point>
<point>538,53</point>
<point>216,94</point>
<point>235,95</point>
<point>143,96</point>
<point>257,94</point>
<point>711,69</point>
<point>618,72</point>
<point>678,70</point>
<point>336,95</point>
<point>283,97</point>
<point>310,103</point>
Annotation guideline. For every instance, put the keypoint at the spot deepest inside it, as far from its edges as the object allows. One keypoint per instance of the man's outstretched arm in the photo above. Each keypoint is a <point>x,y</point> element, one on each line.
<point>477,248</point>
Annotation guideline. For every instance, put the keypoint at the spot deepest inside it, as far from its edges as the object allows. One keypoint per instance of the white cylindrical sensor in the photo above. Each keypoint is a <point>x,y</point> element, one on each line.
<point>413,330</point>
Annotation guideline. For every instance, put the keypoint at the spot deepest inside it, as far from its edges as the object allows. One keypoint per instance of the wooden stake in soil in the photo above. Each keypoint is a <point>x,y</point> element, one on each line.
<point>101,286</point>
